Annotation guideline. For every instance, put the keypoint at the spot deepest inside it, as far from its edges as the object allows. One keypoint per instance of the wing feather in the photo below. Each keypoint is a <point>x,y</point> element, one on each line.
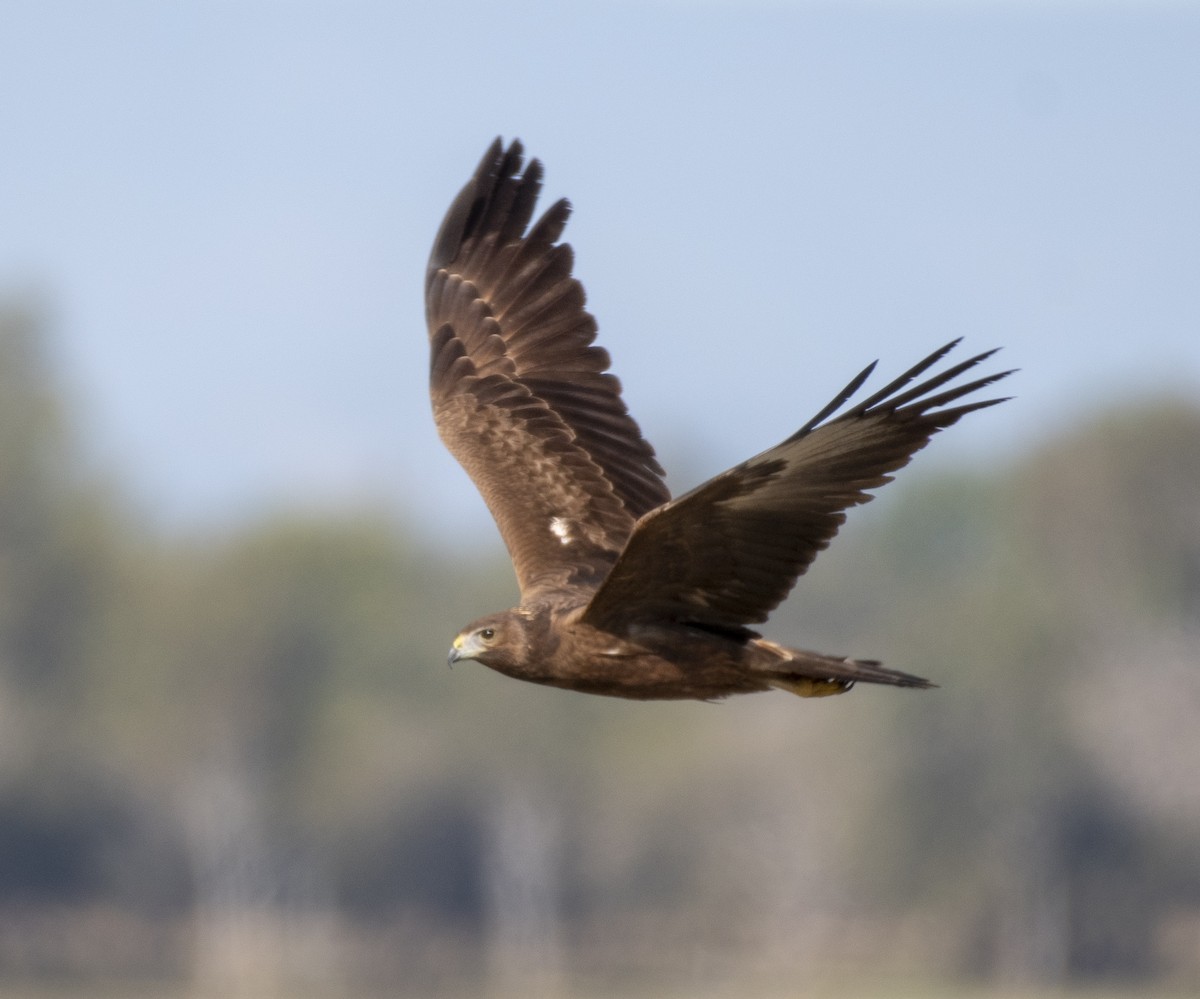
<point>521,394</point>
<point>727,553</point>
<point>532,475</point>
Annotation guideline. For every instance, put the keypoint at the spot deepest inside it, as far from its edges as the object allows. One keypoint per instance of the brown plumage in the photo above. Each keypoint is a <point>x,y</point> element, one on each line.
<point>625,591</point>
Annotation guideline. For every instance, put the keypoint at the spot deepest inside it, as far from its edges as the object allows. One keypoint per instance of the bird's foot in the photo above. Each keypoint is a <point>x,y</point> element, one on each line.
<point>803,686</point>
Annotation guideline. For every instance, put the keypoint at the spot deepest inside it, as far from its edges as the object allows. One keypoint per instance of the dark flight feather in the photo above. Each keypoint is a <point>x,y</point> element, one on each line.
<point>728,552</point>
<point>551,440</point>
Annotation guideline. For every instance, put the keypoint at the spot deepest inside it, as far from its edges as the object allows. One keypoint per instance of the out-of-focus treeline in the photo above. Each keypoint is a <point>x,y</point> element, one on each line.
<point>238,760</point>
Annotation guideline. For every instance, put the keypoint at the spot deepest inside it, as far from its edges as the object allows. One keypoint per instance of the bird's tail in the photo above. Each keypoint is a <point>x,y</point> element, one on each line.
<point>812,674</point>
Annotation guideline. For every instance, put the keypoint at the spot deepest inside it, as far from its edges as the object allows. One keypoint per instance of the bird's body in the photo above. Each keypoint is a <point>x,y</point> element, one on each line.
<point>625,591</point>
<point>647,661</point>
<point>551,644</point>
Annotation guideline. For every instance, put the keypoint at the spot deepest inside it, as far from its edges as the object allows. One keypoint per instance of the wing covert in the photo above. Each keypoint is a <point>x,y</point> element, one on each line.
<point>727,553</point>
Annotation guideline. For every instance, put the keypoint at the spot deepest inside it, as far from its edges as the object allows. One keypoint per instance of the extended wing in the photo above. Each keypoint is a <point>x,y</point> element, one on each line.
<point>726,554</point>
<point>521,395</point>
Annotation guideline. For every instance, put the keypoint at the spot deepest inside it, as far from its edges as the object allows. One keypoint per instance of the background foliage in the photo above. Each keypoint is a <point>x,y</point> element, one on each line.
<point>235,759</point>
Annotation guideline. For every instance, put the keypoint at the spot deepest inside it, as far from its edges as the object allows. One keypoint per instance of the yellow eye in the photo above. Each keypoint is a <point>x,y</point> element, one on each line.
<point>487,634</point>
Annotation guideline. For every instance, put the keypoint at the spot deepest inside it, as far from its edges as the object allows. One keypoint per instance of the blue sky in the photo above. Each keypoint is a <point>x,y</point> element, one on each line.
<point>227,207</point>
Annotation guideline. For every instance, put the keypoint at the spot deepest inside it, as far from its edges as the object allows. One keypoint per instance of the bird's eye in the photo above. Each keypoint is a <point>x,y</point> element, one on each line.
<point>487,634</point>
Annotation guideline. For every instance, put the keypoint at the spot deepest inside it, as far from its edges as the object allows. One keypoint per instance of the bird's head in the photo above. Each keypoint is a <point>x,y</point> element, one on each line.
<point>498,640</point>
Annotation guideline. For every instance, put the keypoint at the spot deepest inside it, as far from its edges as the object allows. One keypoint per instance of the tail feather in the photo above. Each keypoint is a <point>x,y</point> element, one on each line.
<point>812,674</point>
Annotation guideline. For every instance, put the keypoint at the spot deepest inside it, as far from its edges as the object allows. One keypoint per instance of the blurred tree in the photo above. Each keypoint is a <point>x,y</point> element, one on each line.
<point>58,556</point>
<point>74,834</point>
<point>56,526</point>
<point>1054,603</point>
<point>251,732</point>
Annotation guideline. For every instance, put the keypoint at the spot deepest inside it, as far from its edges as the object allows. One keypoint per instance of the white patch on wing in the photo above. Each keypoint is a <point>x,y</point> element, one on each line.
<point>561,530</point>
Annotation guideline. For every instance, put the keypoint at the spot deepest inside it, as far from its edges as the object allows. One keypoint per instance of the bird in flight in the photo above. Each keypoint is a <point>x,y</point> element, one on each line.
<point>624,590</point>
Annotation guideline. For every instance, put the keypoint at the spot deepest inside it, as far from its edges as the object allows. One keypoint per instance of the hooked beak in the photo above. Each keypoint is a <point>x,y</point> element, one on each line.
<point>456,652</point>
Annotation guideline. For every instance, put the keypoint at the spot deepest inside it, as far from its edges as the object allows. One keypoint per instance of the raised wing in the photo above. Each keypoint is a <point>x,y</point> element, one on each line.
<point>727,553</point>
<point>521,395</point>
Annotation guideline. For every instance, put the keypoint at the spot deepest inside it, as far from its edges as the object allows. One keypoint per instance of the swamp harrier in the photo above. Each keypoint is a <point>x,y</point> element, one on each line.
<point>625,591</point>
